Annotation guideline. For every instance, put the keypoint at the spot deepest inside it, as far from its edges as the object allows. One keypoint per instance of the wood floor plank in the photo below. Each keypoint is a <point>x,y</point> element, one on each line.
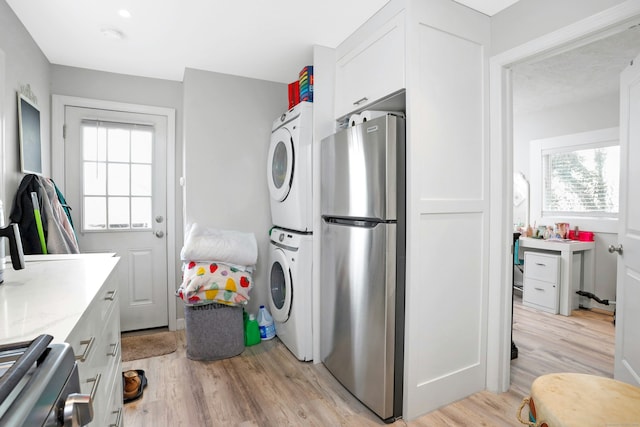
<point>267,386</point>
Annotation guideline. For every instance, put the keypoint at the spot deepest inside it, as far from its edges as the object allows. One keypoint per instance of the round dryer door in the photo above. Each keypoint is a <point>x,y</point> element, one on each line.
<point>280,166</point>
<point>280,286</point>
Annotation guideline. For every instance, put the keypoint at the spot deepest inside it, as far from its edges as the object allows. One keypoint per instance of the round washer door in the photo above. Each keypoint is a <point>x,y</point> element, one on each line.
<point>281,163</point>
<point>280,287</point>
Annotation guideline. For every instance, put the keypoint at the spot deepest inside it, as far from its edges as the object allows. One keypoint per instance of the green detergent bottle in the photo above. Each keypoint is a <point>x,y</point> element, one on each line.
<point>251,331</point>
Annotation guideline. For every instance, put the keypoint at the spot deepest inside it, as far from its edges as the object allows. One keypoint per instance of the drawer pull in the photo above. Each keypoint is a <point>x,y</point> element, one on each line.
<point>115,346</point>
<point>361,100</point>
<point>94,388</point>
<point>117,423</point>
<point>541,264</point>
<point>111,295</point>
<point>87,349</point>
<point>539,289</point>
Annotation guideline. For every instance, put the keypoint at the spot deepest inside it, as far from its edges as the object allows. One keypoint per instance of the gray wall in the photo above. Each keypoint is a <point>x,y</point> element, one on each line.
<point>24,64</point>
<point>530,19</point>
<point>79,82</point>
<point>227,128</point>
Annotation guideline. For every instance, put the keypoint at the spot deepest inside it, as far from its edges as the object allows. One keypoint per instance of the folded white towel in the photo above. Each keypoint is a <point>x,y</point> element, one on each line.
<point>210,244</point>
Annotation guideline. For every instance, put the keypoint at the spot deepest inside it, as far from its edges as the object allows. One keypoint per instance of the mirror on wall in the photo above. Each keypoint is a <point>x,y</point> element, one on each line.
<point>520,200</point>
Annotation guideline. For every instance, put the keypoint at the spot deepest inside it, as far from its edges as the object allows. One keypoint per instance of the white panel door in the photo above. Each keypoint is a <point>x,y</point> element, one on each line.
<point>627,350</point>
<point>115,183</point>
<point>447,215</point>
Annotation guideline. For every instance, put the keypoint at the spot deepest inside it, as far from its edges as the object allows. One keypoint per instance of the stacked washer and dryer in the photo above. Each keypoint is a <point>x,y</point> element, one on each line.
<point>289,174</point>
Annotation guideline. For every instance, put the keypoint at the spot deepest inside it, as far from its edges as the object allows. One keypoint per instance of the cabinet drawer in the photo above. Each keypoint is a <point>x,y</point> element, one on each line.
<point>540,295</point>
<point>541,266</point>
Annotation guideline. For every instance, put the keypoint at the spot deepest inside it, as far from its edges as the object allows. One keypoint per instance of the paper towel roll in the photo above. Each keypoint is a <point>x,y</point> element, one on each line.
<point>355,119</point>
<point>365,116</point>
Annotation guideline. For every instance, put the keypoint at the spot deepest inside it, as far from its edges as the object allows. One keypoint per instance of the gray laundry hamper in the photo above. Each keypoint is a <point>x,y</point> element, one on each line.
<point>214,331</point>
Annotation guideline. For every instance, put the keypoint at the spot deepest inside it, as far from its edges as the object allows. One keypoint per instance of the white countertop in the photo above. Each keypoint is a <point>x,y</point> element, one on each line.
<point>50,296</point>
<point>557,244</point>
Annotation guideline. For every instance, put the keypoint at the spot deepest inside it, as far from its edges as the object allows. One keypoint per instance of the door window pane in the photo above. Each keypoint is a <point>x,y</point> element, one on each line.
<point>141,146</point>
<point>118,179</point>
<point>95,213</point>
<point>95,179</point>
<point>118,145</point>
<point>94,142</point>
<point>141,180</point>
<point>141,212</point>
<point>119,213</point>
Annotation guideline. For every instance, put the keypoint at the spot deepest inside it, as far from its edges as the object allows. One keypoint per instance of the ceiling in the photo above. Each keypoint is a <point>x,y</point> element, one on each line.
<point>269,40</point>
<point>581,74</point>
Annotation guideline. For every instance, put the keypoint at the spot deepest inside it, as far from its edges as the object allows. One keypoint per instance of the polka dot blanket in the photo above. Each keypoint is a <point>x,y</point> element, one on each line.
<point>208,282</point>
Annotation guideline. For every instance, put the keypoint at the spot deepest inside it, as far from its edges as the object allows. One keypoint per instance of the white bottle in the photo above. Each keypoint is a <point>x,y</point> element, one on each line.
<point>265,321</point>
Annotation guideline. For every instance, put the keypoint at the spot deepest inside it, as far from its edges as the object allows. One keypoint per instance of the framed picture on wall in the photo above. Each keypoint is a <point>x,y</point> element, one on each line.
<point>30,139</point>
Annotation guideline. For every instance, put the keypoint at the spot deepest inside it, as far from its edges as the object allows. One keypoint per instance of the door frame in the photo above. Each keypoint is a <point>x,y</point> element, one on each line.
<point>58,104</point>
<point>501,154</point>
<point>3,153</point>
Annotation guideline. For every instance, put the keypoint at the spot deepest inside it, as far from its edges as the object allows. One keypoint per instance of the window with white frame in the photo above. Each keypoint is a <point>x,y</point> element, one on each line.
<point>117,165</point>
<point>576,175</point>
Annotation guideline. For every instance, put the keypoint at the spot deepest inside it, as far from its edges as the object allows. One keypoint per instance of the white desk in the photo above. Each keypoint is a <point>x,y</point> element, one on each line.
<point>569,284</point>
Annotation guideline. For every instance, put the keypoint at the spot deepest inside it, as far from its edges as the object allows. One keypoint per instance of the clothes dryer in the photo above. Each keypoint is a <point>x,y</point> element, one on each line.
<point>290,260</point>
<point>289,169</point>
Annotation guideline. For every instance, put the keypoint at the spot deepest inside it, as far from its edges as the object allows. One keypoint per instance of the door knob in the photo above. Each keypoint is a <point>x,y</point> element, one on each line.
<point>159,219</point>
<point>613,249</point>
<point>159,234</point>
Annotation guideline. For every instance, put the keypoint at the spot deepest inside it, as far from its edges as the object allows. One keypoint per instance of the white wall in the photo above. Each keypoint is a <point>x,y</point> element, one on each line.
<point>595,114</point>
<point>529,19</point>
<point>24,64</point>
<point>227,128</point>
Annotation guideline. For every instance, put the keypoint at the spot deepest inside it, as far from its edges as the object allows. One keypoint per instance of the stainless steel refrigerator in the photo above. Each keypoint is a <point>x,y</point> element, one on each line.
<point>362,266</point>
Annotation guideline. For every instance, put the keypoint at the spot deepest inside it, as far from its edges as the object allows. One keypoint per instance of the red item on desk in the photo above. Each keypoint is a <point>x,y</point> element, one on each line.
<point>583,236</point>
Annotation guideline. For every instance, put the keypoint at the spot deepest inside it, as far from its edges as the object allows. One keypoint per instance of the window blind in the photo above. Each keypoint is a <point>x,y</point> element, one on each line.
<point>581,182</point>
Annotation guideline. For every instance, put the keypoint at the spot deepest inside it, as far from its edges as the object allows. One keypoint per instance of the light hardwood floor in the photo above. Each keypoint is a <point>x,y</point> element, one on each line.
<point>267,386</point>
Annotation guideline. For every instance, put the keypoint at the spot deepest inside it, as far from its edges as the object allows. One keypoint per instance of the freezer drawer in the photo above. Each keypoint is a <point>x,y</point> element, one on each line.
<point>358,308</point>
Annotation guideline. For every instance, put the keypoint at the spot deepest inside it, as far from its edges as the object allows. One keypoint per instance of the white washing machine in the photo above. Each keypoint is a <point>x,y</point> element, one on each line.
<point>290,290</point>
<point>289,169</point>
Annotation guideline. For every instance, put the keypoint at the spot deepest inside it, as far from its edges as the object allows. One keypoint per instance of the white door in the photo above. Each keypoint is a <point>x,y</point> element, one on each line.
<point>115,183</point>
<point>627,352</point>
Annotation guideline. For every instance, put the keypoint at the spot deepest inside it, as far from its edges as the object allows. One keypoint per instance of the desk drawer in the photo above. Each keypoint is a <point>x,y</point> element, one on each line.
<point>540,295</point>
<point>541,266</point>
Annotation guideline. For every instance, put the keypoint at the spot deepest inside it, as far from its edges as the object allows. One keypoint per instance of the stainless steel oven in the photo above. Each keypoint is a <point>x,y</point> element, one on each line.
<point>39,386</point>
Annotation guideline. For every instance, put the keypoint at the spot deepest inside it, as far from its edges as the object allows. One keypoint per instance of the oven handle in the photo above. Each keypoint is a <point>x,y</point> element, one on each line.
<point>19,369</point>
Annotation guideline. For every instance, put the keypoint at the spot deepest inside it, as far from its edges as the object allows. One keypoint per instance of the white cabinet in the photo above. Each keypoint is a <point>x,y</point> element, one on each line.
<point>373,69</point>
<point>96,343</point>
<point>541,281</point>
<point>74,299</point>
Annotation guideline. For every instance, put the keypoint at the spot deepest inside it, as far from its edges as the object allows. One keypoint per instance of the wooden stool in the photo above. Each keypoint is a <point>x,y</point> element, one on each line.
<point>563,400</point>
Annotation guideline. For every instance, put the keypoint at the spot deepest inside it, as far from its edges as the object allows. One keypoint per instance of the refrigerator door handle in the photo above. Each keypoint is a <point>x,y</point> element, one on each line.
<point>351,222</point>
